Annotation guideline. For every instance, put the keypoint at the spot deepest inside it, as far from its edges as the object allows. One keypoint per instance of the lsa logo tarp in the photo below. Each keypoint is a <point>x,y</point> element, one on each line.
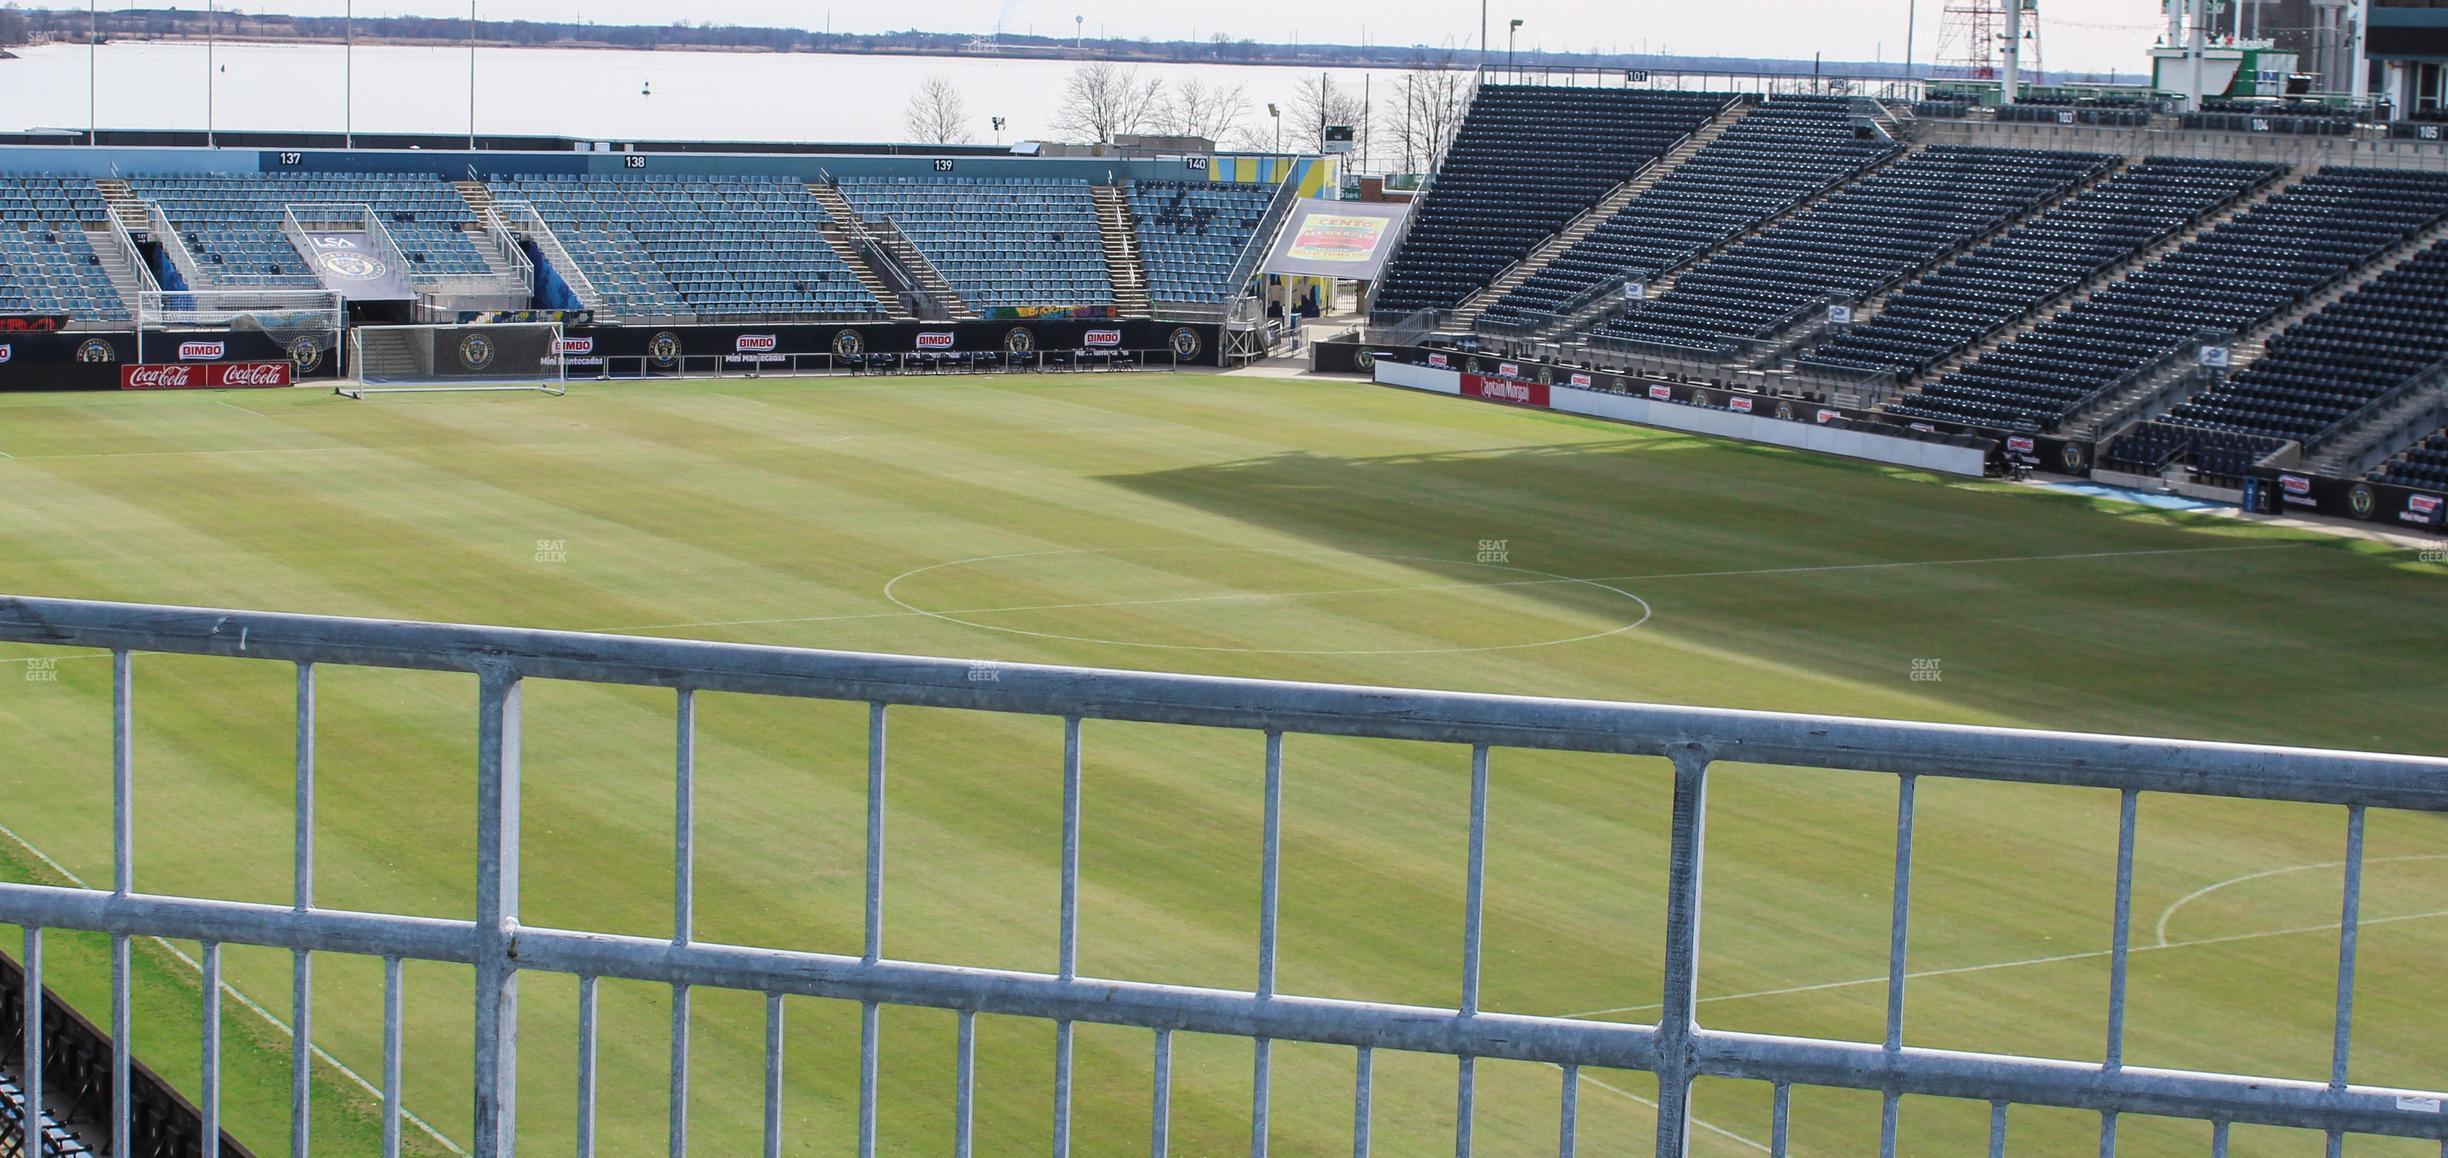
<point>202,351</point>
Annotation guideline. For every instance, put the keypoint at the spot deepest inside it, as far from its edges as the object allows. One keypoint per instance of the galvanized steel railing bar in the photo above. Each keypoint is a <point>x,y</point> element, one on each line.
<point>123,878</point>
<point>964,1083</point>
<point>1677,1049</point>
<point>773,1075</point>
<point>31,1063</point>
<point>586,1065</point>
<point>684,865</point>
<point>211,1050</point>
<point>1363,1090</point>
<point>1898,937</point>
<point>301,979</point>
<point>393,1031</point>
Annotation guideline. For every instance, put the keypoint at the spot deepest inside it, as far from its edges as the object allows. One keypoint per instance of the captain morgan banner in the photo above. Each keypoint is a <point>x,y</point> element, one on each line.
<point>1351,239</point>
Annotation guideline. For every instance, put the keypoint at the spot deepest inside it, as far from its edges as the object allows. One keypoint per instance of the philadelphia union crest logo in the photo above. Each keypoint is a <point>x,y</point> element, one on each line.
<point>1785,411</point>
<point>1186,343</point>
<point>1365,359</point>
<point>2361,500</point>
<point>349,266</point>
<point>476,351</point>
<point>1019,341</point>
<point>664,350</point>
<point>306,353</point>
<point>95,352</point>
<point>848,345</point>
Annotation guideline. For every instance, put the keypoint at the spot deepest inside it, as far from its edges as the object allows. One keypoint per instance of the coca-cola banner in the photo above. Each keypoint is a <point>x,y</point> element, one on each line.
<point>216,376</point>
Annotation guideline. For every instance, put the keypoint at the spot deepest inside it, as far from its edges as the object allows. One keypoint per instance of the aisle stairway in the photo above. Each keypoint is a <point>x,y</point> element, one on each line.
<point>1123,262</point>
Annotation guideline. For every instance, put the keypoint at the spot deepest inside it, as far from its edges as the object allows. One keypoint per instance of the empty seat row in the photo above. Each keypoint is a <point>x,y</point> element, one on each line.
<point>2233,278</point>
<point>1851,244</point>
<point>1776,156</point>
<point>1982,292</point>
<point>1192,235</point>
<point>1526,160</point>
<point>998,242</point>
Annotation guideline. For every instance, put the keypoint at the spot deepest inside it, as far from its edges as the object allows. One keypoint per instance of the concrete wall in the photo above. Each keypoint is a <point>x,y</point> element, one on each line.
<point>2283,148</point>
<point>70,160</point>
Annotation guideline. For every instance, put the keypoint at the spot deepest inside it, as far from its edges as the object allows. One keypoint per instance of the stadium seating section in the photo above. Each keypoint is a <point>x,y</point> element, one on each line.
<point>231,223</point>
<point>1851,244</point>
<point>1764,164</point>
<point>2231,279</point>
<point>998,241</point>
<point>47,262</point>
<point>1525,162</point>
<point>2359,349</point>
<point>2425,465</point>
<point>1192,236</point>
<point>658,245</point>
<point>1981,292</point>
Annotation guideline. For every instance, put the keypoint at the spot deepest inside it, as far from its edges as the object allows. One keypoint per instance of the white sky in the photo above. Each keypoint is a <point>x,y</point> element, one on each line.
<point>2086,34</point>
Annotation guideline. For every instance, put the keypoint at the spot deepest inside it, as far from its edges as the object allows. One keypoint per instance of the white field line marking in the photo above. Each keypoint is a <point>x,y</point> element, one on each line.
<point>2229,938</point>
<point>250,1003</point>
<point>242,409</point>
<point>2169,913</point>
<point>749,401</point>
<point>1612,1088</point>
<point>1437,586</point>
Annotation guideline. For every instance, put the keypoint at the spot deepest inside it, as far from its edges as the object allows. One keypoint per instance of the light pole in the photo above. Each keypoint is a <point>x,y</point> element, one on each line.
<point>348,74</point>
<point>1512,31</point>
<point>209,73</point>
<point>998,129</point>
<point>1276,113</point>
<point>1483,43</point>
<point>471,76</point>
<point>93,66</point>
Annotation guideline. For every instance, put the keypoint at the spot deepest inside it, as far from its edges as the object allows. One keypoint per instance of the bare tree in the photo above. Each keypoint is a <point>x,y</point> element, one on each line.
<point>1197,109</point>
<point>1423,116</point>
<point>938,114</point>
<point>1104,101</point>
<point>1321,102</point>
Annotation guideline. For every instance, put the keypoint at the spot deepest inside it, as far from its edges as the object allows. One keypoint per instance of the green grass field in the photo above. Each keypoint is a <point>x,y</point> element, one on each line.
<point>1257,527</point>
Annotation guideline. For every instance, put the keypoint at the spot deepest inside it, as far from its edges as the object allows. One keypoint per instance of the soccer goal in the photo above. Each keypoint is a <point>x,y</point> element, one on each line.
<point>438,359</point>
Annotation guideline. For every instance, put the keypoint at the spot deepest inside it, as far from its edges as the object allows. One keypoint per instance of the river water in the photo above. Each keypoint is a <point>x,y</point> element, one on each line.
<point>593,94</point>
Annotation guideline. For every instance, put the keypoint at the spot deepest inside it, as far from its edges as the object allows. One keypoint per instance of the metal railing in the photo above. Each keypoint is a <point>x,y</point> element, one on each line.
<point>1676,1048</point>
<point>522,220</point>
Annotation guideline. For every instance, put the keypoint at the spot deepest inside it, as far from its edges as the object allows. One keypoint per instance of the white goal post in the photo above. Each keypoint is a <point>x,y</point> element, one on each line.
<point>439,359</point>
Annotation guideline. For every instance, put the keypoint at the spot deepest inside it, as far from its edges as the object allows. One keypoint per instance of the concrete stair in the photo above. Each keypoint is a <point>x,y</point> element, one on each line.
<point>895,247</point>
<point>125,205</point>
<point>1581,227</point>
<point>1123,262</point>
<point>124,276</point>
<point>2384,430</point>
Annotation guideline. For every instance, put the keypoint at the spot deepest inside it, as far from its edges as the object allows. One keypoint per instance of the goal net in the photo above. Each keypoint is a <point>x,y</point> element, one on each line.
<point>434,359</point>
<point>305,325</point>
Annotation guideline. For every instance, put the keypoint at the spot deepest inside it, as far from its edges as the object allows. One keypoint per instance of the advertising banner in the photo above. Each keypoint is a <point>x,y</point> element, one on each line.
<point>1504,390</point>
<point>215,376</point>
<point>1351,239</point>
